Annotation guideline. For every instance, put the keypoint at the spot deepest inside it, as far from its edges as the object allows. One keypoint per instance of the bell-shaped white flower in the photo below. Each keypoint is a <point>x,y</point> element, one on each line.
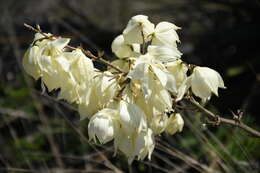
<point>179,70</point>
<point>138,29</point>
<point>132,117</point>
<point>175,124</point>
<point>154,106</point>
<point>30,62</point>
<point>81,66</point>
<point>135,145</point>
<point>79,75</point>
<point>103,89</point>
<point>103,125</point>
<point>165,34</point>
<point>159,123</point>
<point>123,50</point>
<point>51,67</point>
<point>144,66</point>
<point>205,81</point>
<point>68,85</point>
<point>32,55</point>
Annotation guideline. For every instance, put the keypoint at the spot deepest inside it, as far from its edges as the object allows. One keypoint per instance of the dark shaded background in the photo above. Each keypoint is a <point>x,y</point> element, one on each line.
<point>39,134</point>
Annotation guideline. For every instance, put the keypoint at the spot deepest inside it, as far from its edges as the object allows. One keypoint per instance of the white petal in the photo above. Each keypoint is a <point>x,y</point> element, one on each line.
<point>30,62</point>
<point>198,87</point>
<point>120,48</point>
<point>132,117</point>
<point>175,124</point>
<point>103,125</point>
<point>165,35</point>
<point>167,80</point>
<point>137,27</point>
<point>164,53</point>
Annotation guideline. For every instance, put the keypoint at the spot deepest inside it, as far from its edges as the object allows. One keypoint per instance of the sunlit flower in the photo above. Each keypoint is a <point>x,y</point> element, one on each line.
<point>122,50</point>
<point>175,124</point>
<point>205,81</point>
<point>143,70</point>
<point>165,34</point>
<point>103,125</point>
<point>132,118</point>
<point>138,30</point>
<point>103,90</point>
<point>135,145</point>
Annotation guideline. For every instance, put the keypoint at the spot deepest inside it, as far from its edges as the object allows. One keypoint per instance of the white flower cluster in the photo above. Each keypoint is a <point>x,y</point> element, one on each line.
<point>131,107</point>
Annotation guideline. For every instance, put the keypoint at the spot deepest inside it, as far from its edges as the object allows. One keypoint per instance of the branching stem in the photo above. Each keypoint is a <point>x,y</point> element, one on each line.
<point>211,115</point>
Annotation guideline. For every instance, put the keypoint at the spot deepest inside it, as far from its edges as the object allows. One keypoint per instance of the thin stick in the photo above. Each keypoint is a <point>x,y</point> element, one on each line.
<point>241,125</point>
<point>86,52</point>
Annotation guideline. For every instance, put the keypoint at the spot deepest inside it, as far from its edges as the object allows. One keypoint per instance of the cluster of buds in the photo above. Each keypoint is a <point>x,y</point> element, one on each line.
<point>134,104</point>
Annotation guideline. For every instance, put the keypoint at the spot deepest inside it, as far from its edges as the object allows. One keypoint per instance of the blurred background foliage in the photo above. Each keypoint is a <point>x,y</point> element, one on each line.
<point>40,134</point>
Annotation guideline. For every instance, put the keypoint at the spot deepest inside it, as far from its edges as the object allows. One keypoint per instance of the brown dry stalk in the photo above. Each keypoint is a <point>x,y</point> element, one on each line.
<point>219,119</point>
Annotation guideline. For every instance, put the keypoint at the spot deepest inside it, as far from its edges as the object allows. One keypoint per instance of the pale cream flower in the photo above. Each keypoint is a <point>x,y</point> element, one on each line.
<point>30,62</point>
<point>143,70</point>
<point>103,125</point>
<point>158,123</point>
<point>138,27</point>
<point>123,50</point>
<point>205,81</point>
<point>52,63</point>
<point>132,118</point>
<point>31,58</point>
<point>103,89</point>
<point>78,77</point>
<point>135,145</point>
<point>175,124</point>
<point>179,70</point>
<point>165,34</point>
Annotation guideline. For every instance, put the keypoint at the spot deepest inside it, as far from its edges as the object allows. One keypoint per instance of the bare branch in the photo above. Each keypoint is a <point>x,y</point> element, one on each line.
<point>219,119</point>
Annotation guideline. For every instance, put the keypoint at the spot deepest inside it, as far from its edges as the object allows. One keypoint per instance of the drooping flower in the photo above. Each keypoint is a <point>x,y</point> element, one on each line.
<point>204,81</point>
<point>123,50</point>
<point>135,145</point>
<point>165,34</point>
<point>80,74</point>
<point>132,118</point>
<point>32,55</point>
<point>143,70</point>
<point>102,90</point>
<point>103,125</point>
<point>30,62</point>
<point>43,60</point>
<point>179,70</point>
<point>138,30</point>
<point>174,124</point>
<point>159,123</point>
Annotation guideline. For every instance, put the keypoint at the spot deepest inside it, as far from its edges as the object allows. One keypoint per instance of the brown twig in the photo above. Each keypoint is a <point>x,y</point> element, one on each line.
<point>86,52</point>
<point>211,115</point>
